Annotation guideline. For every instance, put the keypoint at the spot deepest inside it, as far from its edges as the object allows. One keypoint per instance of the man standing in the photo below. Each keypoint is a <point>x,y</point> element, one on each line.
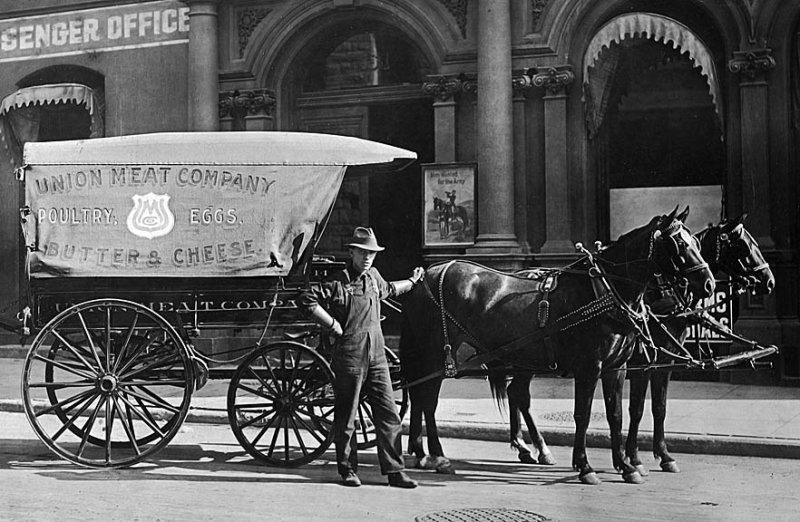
<point>347,304</point>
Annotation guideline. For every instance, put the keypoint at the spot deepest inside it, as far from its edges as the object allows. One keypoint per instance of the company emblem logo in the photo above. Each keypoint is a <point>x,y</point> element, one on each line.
<point>150,216</point>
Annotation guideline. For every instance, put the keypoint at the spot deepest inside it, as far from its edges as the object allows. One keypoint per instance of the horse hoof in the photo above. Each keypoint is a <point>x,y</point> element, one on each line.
<point>641,469</point>
<point>547,459</point>
<point>442,465</point>
<point>590,479</point>
<point>425,463</point>
<point>670,467</point>
<point>526,458</point>
<point>633,478</point>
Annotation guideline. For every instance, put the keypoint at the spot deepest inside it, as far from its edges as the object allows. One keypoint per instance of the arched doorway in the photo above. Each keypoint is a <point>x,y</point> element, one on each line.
<point>653,111</point>
<point>363,78</point>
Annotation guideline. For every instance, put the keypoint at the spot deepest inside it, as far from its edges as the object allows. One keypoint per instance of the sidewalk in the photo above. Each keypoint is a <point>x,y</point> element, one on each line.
<point>702,417</point>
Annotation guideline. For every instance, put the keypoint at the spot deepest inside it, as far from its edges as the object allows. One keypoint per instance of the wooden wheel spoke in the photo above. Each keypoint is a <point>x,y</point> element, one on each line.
<point>134,356</point>
<point>87,429</point>
<point>109,427</point>
<point>144,418</point>
<point>170,382</point>
<point>310,429</point>
<point>127,341</point>
<point>309,391</point>
<point>74,351</point>
<point>127,425</point>
<point>255,392</point>
<point>71,420</point>
<point>297,436</point>
<point>65,367</point>
<point>274,442</point>
<point>61,384</point>
<point>152,398</point>
<point>257,418</point>
<point>264,430</point>
<point>321,420</point>
<point>90,339</point>
<point>157,364</point>
<point>61,404</point>
<point>264,383</point>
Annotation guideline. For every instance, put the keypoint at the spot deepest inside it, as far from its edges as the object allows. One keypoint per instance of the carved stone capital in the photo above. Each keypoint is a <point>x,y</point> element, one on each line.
<point>752,64</point>
<point>240,103</point>
<point>442,88</point>
<point>521,83</point>
<point>554,79</point>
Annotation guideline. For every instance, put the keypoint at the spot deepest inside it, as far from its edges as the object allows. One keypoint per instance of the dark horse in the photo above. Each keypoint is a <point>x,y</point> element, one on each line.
<point>730,249</point>
<point>449,214</point>
<point>586,325</point>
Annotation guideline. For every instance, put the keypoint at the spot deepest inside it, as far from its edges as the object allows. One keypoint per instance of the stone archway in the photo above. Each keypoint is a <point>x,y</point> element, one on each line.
<point>655,120</point>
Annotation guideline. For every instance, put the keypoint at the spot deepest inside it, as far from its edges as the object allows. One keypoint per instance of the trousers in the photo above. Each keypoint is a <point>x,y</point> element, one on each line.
<point>365,372</point>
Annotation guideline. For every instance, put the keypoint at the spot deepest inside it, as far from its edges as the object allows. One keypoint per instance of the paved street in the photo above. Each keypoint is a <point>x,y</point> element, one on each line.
<point>204,475</point>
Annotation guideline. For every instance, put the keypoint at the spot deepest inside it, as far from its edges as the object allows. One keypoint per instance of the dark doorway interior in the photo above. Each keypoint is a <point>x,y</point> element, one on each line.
<point>396,198</point>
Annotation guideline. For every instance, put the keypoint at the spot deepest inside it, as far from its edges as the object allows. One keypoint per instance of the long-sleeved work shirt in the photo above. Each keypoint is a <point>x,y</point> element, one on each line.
<point>355,301</point>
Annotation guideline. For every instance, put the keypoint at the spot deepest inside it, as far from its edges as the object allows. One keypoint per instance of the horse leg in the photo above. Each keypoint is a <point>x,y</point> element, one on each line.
<point>415,446</point>
<point>519,400</point>
<point>585,383</point>
<point>613,383</point>
<point>639,382</point>
<point>658,392</point>
<point>427,400</point>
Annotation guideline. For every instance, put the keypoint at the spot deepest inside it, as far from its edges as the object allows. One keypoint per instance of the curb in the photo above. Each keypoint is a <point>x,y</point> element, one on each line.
<point>678,442</point>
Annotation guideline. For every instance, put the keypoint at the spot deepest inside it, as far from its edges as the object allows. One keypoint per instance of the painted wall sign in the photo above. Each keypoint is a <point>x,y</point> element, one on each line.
<point>129,26</point>
<point>174,220</point>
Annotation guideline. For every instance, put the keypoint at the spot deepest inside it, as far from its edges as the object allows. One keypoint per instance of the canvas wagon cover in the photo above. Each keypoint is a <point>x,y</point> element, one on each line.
<point>184,204</point>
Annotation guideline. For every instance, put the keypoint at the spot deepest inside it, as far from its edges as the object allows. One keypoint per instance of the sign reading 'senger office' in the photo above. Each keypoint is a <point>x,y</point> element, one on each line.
<point>105,29</point>
<point>173,220</point>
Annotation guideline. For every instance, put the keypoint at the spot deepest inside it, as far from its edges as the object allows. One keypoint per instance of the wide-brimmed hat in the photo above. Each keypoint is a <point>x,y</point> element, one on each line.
<point>364,237</point>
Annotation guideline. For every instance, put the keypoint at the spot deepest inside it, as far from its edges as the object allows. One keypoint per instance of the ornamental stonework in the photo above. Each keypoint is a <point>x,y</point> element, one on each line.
<point>241,103</point>
<point>554,79</point>
<point>753,64</point>
<point>246,22</point>
<point>458,8</point>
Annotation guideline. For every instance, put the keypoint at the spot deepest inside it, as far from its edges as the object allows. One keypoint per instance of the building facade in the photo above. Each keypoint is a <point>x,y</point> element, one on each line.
<point>545,121</point>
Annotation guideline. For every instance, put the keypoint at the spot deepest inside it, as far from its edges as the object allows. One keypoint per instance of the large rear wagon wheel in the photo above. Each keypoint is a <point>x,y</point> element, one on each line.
<point>280,404</point>
<point>365,423</point>
<point>107,383</point>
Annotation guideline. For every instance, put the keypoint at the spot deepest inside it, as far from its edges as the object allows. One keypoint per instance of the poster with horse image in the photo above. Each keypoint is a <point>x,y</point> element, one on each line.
<point>449,204</point>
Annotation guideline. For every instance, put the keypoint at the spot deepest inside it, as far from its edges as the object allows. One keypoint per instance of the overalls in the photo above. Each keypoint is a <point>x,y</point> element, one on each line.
<point>359,365</point>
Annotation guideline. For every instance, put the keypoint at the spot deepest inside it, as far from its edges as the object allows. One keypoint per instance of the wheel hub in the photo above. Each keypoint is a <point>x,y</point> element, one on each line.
<point>107,383</point>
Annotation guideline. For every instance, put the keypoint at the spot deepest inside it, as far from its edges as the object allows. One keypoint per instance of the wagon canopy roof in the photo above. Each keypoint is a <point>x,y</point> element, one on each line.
<point>220,148</point>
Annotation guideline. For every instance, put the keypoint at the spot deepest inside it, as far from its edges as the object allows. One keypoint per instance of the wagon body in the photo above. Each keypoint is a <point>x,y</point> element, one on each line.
<point>137,243</point>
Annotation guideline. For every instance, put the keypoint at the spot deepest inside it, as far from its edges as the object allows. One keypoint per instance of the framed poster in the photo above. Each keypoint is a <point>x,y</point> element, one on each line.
<point>448,206</point>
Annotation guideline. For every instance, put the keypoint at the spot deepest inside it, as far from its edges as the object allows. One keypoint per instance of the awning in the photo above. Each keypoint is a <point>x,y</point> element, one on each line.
<point>651,26</point>
<point>51,93</point>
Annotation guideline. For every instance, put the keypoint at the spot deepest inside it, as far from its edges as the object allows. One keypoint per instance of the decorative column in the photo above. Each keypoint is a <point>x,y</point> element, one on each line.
<point>203,65</point>
<point>444,90</point>
<point>555,81</point>
<point>521,86</point>
<point>753,66</point>
<point>495,206</point>
<point>241,104</point>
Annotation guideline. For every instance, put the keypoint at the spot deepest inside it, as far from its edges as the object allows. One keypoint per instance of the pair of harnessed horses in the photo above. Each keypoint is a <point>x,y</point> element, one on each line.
<point>588,323</point>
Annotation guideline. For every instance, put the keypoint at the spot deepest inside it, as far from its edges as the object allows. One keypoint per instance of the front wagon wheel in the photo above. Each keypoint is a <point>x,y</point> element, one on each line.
<point>107,383</point>
<point>280,404</point>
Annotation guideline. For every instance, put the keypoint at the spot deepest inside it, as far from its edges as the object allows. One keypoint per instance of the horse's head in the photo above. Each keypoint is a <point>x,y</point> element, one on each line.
<point>729,247</point>
<point>677,253</point>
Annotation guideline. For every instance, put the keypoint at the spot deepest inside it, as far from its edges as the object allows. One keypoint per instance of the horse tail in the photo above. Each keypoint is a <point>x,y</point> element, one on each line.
<point>498,385</point>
